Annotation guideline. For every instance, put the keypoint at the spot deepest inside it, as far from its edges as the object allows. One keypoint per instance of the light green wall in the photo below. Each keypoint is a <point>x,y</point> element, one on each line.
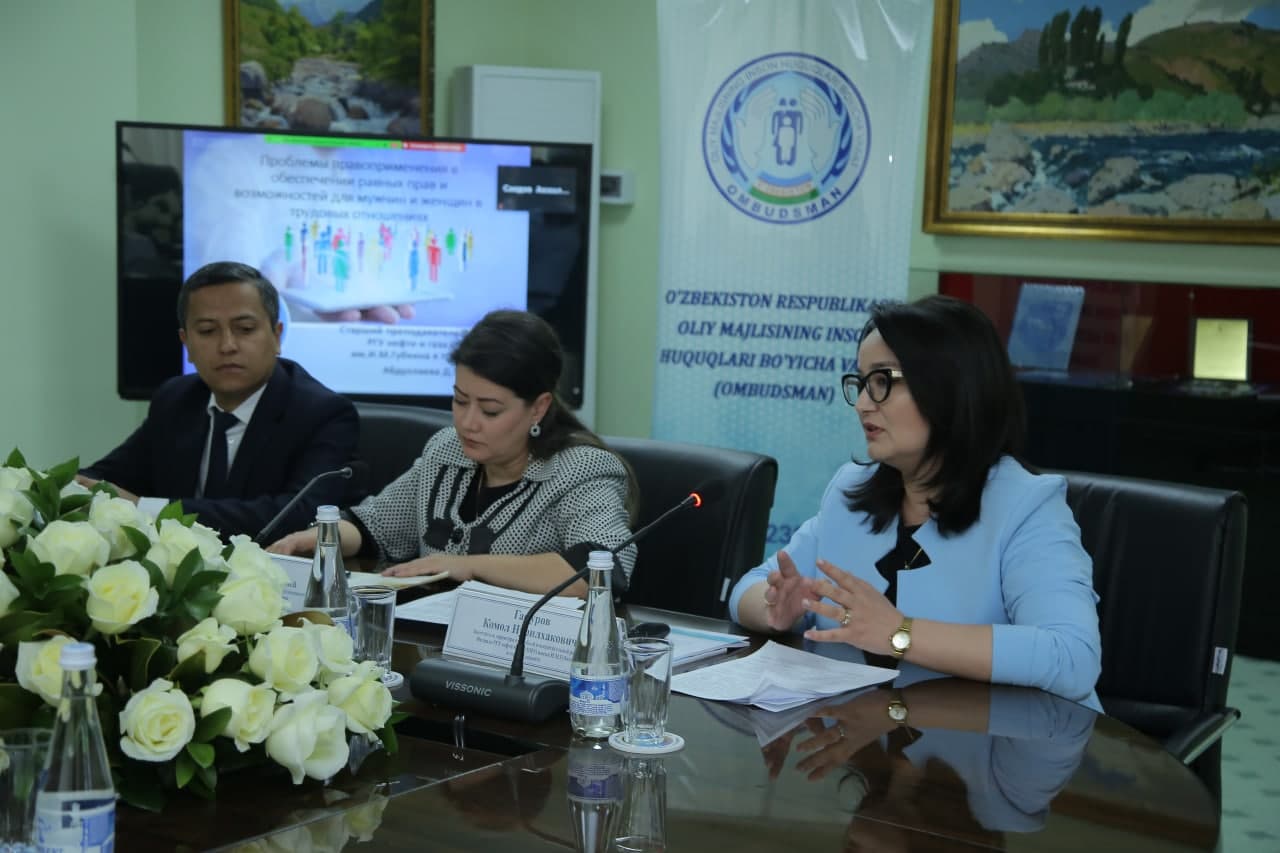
<point>161,60</point>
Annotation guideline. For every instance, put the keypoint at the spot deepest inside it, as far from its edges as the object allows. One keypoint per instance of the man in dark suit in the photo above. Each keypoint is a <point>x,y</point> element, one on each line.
<point>238,440</point>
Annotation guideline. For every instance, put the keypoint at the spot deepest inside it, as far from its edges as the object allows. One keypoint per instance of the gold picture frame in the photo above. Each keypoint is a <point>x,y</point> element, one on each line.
<point>1141,132</point>
<point>287,71</point>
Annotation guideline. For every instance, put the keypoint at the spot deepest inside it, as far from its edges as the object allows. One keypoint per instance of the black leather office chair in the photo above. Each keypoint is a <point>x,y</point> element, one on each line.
<point>1167,563</point>
<point>392,436</point>
<point>692,560</point>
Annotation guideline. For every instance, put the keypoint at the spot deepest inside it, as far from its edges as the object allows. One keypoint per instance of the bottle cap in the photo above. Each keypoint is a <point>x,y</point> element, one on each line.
<point>600,559</point>
<point>326,513</point>
<point>77,656</point>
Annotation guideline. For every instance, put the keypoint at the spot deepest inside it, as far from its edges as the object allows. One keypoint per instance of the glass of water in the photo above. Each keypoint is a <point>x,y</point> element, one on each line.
<point>22,757</point>
<point>644,710</point>
<point>373,616</point>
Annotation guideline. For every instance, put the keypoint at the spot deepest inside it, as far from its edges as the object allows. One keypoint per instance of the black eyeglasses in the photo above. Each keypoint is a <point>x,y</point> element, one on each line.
<point>878,382</point>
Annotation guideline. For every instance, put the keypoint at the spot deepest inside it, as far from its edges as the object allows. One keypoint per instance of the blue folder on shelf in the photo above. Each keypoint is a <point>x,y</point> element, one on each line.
<point>1044,326</point>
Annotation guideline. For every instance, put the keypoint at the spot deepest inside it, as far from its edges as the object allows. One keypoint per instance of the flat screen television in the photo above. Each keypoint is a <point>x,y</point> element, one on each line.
<point>385,251</point>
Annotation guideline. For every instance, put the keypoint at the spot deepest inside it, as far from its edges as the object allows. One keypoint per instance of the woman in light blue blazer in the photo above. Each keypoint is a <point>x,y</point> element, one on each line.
<point>945,550</point>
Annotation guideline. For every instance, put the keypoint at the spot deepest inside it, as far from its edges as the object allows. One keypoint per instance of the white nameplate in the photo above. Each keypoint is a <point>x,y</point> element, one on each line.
<point>299,571</point>
<point>485,628</point>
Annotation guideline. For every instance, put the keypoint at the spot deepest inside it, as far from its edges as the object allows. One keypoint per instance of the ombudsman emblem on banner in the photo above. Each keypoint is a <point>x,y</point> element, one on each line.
<point>786,138</point>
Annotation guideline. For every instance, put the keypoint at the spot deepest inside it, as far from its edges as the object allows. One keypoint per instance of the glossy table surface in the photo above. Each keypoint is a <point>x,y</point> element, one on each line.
<point>976,767</point>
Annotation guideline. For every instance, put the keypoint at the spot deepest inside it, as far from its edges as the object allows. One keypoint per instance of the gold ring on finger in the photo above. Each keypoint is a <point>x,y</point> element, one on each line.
<point>846,618</point>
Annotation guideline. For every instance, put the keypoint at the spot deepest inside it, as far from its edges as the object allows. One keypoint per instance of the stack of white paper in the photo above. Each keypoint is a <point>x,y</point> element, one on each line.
<point>689,644</point>
<point>778,677</point>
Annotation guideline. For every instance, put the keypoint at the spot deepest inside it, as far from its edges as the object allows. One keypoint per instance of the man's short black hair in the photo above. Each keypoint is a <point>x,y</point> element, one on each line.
<point>229,272</point>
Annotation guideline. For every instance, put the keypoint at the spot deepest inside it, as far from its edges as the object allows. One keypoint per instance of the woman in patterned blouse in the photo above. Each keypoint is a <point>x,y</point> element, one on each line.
<point>516,493</point>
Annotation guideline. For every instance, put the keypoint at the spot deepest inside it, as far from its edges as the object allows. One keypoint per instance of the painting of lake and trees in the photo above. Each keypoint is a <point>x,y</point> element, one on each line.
<point>1163,113</point>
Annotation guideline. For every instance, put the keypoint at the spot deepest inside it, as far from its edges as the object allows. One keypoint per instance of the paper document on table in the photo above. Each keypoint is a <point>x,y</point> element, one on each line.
<point>438,609</point>
<point>689,644</point>
<point>355,579</point>
<point>778,677</point>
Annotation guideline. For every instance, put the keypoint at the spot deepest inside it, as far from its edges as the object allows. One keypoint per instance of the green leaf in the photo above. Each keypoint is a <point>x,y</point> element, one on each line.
<point>205,782</point>
<point>20,626</point>
<point>173,510</point>
<point>71,503</point>
<point>201,754</point>
<point>78,515</point>
<point>62,583</point>
<point>15,459</point>
<point>141,651</point>
<point>64,472</point>
<point>200,604</point>
<point>211,726</point>
<point>139,540</point>
<point>387,734</point>
<point>189,673</point>
<point>35,574</point>
<point>190,564</point>
<point>184,768</point>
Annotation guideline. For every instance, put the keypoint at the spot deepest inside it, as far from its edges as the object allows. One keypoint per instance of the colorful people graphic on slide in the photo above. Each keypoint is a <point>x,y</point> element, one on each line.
<point>288,244</point>
<point>341,266</point>
<point>360,254</point>
<point>450,242</point>
<point>413,267</point>
<point>433,259</point>
<point>465,252</point>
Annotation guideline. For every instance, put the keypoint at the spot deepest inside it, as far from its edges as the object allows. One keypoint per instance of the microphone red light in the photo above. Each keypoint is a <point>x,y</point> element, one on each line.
<point>697,499</point>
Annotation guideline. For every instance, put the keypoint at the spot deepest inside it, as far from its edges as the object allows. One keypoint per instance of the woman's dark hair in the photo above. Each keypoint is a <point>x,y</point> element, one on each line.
<point>521,352</point>
<point>960,377</point>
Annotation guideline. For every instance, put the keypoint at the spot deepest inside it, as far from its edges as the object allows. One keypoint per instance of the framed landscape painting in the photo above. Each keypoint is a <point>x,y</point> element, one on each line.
<point>356,66</point>
<point>1125,119</point>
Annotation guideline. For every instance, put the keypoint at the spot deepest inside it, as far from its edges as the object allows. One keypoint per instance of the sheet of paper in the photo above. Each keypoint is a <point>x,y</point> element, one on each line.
<point>777,677</point>
<point>438,609</point>
<point>355,579</point>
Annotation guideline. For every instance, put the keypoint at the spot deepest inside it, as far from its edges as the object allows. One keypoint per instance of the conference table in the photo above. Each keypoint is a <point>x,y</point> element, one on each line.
<point>975,766</point>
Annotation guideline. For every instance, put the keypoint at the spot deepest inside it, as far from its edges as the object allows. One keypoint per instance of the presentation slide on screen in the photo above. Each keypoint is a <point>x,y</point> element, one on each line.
<point>384,251</point>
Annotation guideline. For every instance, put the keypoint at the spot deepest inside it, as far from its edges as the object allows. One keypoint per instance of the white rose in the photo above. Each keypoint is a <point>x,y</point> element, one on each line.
<point>8,592</point>
<point>156,723</point>
<point>15,513</point>
<point>285,659</point>
<point>120,596</point>
<point>252,709</point>
<point>74,547</point>
<point>249,559</point>
<point>250,604</point>
<point>309,736</point>
<point>38,669</point>
<point>333,647</point>
<point>209,637</point>
<point>109,516</point>
<point>15,478</point>
<point>363,698</point>
<point>176,541</point>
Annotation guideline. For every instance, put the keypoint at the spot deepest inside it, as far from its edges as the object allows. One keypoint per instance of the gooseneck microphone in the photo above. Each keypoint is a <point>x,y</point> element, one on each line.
<point>512,694</point>
<point>344,472</point>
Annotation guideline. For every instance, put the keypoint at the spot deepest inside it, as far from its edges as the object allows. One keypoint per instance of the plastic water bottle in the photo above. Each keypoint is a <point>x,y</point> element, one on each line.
<point>597,679</point>
<point>76,802</point>
<point>327,588</point>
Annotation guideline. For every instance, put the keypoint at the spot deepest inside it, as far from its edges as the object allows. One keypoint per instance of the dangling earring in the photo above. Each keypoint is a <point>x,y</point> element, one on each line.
<point>535,430</point>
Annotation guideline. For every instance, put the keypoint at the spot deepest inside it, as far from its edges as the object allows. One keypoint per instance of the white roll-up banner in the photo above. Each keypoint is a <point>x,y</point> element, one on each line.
<point>789,139</point>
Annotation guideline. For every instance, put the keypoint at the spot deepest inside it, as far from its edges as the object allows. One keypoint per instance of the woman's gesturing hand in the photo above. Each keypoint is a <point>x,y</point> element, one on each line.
<point>785,594</point>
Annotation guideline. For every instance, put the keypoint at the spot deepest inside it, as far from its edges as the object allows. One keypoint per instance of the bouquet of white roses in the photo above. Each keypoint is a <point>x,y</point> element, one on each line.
<point>199,667</point>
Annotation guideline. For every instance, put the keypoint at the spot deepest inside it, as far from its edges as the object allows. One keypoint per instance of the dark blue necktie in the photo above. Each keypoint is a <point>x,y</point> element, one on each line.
<point>215,480</point>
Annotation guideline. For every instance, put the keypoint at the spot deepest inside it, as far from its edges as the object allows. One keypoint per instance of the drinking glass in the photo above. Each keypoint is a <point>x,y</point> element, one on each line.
<point>644,710</point>
<point>373,616</point>
<point>22,755</point>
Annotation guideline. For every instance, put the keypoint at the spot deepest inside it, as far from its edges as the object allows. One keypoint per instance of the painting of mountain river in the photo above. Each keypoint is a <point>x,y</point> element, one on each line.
<point>1132,119</point>
<point>353,66</point>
